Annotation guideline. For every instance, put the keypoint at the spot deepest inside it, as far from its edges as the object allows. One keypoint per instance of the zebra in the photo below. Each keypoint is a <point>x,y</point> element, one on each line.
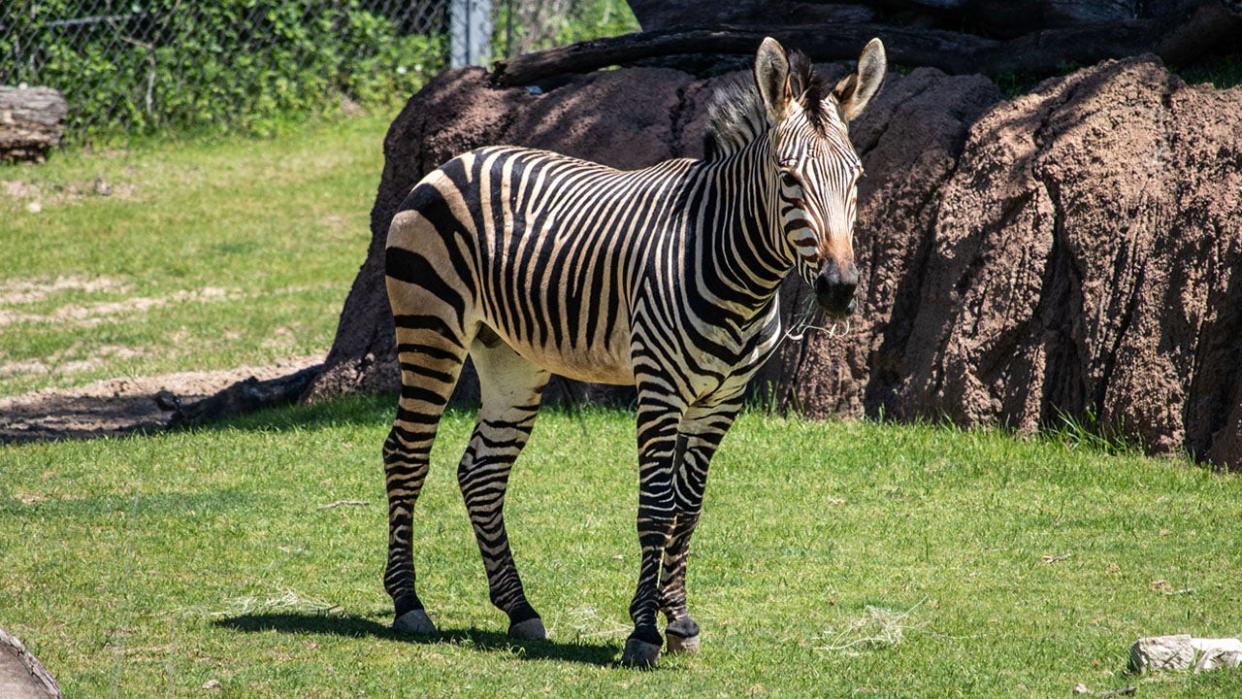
<point>663,278</point>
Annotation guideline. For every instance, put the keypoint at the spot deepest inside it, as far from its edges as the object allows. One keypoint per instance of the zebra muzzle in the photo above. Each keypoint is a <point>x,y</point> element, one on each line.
<point>834,287</point>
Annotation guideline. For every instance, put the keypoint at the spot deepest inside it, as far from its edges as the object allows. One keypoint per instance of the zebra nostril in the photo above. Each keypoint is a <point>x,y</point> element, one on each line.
<point>849,276</point>
<point>824,283</point>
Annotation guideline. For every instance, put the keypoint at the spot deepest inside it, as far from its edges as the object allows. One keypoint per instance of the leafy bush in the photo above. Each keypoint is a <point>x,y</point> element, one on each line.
<point>523,26</point>
<point>223,66</point>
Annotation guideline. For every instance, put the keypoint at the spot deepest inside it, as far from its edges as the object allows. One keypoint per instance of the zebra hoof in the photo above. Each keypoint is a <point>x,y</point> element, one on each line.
<point>688,645</point>
<point>529,630</point>
<point>415,622</point>
<point>640,654</point>
<point>683,636</point>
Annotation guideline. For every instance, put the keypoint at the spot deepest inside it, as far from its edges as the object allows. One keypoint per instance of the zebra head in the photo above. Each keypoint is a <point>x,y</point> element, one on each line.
<point>815,164</point>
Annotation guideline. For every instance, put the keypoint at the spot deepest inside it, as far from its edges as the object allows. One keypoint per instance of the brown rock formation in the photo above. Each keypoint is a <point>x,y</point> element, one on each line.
<point>1074,251</point>
<point>1084,259</point>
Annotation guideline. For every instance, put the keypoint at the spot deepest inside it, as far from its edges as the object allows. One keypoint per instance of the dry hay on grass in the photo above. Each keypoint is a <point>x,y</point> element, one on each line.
<point>37,196</point>
<point>586,623</point>
<point>32,289</point>
<point>58,362</point>
<point>877,628</point>
<point>288,600</point>
<point>92,315</point>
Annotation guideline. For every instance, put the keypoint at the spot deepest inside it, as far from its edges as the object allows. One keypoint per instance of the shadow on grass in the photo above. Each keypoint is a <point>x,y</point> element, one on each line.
<point>363,409</point>
<point>368,410</point>
<point>356,626</point>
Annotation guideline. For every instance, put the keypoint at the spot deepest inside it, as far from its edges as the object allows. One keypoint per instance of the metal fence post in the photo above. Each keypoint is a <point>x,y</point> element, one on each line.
<point>470,32</point>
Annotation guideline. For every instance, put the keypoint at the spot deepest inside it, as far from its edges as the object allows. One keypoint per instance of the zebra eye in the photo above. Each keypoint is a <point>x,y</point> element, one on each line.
<point>789,179</point>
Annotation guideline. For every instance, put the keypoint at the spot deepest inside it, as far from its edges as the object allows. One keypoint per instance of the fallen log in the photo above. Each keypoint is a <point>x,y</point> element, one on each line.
<point>997,20</point>
<point>32,121</point>
<point>950,51</point>
<point>670,14</point>
<point>1038,53</point>
<point>242,397</point>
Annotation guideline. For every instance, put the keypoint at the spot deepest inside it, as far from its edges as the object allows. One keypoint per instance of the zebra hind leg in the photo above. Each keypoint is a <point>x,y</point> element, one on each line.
<point>510,392</point>
<point>430,363</point>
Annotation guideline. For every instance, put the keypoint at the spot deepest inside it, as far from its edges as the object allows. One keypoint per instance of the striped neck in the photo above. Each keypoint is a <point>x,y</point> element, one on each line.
<point>744,256</point>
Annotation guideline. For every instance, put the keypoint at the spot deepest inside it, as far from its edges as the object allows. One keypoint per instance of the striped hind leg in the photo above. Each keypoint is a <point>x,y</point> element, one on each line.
<point>431,357</point>
<point>510,389</point>
<point>431,295</point>
<point>701,430</point>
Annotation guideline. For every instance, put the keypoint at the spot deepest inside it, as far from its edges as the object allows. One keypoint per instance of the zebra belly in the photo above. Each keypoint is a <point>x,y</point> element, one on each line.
<point>608,366</point>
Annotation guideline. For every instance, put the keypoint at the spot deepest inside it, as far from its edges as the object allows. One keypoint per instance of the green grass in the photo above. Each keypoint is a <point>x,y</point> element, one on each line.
<point>207,254</point>
<point>149,565</point>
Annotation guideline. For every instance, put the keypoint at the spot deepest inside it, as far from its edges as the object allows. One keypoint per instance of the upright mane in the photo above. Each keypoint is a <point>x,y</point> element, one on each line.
<point>737,115</point>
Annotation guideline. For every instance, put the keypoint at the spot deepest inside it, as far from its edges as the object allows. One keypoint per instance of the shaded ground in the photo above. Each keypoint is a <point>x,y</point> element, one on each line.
<point>120,406</point>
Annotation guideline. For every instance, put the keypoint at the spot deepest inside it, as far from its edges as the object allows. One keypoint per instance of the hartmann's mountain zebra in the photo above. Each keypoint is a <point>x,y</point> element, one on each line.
<point>664,278</point>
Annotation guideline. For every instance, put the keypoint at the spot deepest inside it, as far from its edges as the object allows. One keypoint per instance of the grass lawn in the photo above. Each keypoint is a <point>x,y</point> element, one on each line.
<point>150,565</point>
<point>205,255</point>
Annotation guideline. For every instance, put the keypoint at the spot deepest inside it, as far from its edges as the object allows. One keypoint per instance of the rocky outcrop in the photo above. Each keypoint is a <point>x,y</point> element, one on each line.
<point>1075,251</point>
<point>1085,259</point>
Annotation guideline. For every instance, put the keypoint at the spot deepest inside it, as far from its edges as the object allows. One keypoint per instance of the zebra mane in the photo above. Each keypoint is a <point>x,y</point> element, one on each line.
<point>736,114</point>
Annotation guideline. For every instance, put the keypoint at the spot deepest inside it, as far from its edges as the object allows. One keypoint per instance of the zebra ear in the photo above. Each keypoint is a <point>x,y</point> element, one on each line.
<point>856,89</point>
<point>772,78</point>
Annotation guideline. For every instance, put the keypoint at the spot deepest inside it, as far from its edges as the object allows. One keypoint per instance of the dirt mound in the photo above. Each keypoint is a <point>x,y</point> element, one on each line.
<point>1073,252</point>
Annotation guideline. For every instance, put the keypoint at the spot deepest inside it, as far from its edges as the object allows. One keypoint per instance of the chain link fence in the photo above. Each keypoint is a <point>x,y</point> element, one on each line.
<point>142,66</point>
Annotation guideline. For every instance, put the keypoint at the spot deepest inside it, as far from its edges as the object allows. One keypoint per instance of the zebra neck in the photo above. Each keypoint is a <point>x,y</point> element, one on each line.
<point>743,257</point>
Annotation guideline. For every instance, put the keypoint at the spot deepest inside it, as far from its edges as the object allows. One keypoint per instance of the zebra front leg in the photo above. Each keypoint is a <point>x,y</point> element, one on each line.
<point>658,418</point>
<point>510,389</point>
<point>701,431</point>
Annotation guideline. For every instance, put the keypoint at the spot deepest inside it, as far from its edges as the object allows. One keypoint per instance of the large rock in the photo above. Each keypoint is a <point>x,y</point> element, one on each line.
<point>1182,652</point>
<point>22,676</point>
<point>1084,260</point>
<point>1075,251</point>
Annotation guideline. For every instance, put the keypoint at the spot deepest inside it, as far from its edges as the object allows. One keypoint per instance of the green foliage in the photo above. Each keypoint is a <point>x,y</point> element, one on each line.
<point>219,66</point>
<point>591,19</point>
<point>522,26</point>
